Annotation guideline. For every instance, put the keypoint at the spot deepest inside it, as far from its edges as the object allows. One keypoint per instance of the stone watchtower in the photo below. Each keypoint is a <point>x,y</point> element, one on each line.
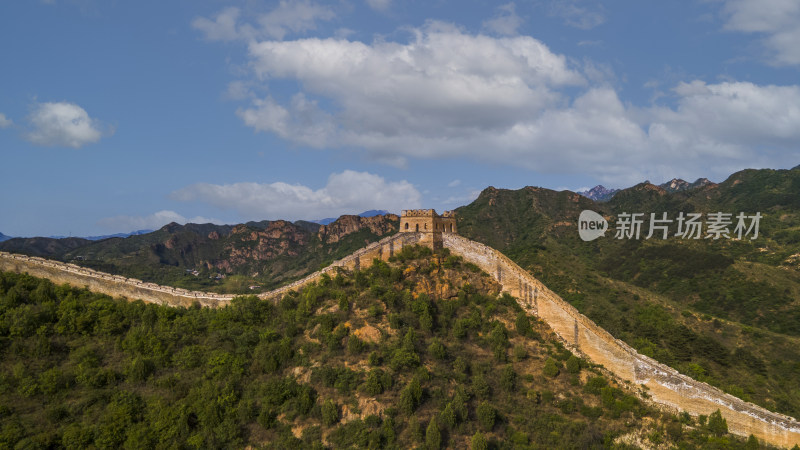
<point>430,224</point>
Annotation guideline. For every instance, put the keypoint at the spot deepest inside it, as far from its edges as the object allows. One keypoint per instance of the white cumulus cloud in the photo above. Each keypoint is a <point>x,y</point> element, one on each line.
<point>4,121</point>
<point>449,94</point>
<point>777,20</point>
<point>63,124</point>
<point>409,99</point>
<point>348,192</point>
<point>124,224</point>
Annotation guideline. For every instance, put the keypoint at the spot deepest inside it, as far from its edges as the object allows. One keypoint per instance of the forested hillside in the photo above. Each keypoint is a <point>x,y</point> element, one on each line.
<point>723,311</point>
<point>420,352</point>
<point>218,258</point>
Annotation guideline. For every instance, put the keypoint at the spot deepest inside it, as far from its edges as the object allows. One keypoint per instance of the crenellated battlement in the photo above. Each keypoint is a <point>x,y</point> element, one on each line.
<point>418,213</point>
<point>429,223</point>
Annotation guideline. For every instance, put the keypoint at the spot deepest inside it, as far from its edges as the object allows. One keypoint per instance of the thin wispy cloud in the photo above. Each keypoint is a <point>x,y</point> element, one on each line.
<point>288,17</point>
<point>379,5</point>
<point>5,122</point>
<point>124,224</point>
<point>777,21</point>
<point>506,22</point>
<point>582,14</point>
<point>347,192</point>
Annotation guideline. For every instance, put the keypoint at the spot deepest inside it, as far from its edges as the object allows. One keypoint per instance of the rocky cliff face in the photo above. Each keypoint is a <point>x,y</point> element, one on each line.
<point>677,185</point>
<point>193,255</point>
<point>345,225</point>
<point>246,244</point>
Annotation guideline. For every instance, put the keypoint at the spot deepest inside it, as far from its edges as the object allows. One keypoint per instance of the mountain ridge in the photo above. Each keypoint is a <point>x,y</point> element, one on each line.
<point>224,258</point>
<point>600,193</point>
<point>665,297</point>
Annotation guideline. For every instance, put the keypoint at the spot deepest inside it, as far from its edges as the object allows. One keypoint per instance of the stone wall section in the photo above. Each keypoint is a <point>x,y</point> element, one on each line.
<point>114,285</point>
<point>133,289</point>
<point>665,385</point>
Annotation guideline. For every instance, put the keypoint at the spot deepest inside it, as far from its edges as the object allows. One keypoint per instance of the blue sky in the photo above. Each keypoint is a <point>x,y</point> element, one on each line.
<point>116,116</point>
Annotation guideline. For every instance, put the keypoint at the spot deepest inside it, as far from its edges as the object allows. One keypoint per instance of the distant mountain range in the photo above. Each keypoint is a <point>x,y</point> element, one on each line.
<point>326,221</point>
<point>201,256</point>
<point>107,236</point>
<point>600,193</point>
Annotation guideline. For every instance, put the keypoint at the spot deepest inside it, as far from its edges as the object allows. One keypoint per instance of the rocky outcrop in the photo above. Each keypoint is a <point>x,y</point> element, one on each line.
<point>677,185</point>
<point>247,244</point>
<point>345,225</point>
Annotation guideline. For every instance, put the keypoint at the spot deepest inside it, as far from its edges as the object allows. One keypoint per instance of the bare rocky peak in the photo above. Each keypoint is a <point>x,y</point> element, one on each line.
<point>675,185</point>
<point>599,193</point>
<point>347,224</point>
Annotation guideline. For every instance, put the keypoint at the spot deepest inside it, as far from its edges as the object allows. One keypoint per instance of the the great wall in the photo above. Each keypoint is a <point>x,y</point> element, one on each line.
<point>665,386</point>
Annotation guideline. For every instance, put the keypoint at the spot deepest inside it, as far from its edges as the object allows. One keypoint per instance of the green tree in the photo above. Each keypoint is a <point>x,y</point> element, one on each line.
<point>520,352</point>
<point>414,429</point>
<point>139,369</point>
<point>752,443</point>
<point>480,386</point>
<point>330,413</point>
<point>374,385</point>
<point>717,424</point>
<point>674,430</point>
<point>433,437</point>
<point>508,379</point>
<point>448,416</point>
<point>479,442</point>
<point>486,415</point>
<point>523,324</point>
<point>551,368</point>
<point>459,404</point>
<point>460,367</point>
<point>437,349</point>
<point>407,401</point>
<point>573,364</point>
<point>355,345</point>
